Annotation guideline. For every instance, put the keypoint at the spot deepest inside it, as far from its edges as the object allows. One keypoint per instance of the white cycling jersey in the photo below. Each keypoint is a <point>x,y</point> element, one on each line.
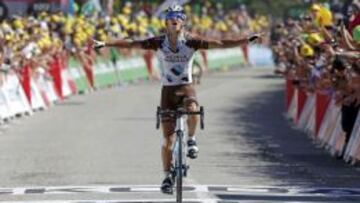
<point>176,64</point>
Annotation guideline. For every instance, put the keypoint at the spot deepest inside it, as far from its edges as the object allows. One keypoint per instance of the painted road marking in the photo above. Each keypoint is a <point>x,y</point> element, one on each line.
<point>286,191</point>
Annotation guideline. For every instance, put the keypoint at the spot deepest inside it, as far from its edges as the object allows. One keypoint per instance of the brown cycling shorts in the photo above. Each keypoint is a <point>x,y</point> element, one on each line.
<point>173,97</point>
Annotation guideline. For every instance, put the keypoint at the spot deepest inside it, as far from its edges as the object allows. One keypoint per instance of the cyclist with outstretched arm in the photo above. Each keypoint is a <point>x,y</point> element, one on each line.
<point>176,49</point>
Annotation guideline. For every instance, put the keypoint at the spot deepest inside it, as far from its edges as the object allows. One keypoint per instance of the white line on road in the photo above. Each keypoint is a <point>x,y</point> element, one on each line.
<point>18,191</point>
<point>202,191</point>
<point>118,201</point>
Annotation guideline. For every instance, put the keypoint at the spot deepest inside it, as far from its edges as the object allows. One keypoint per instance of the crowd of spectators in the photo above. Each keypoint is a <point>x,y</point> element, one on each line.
<point>38,39</point>
<point>320,52</point>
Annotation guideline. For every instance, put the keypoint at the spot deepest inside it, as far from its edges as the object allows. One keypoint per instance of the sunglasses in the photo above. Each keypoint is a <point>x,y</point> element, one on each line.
<point>176,15</point>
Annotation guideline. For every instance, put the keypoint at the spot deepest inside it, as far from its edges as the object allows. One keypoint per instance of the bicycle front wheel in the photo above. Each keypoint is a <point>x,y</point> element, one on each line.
<point>179,169</point>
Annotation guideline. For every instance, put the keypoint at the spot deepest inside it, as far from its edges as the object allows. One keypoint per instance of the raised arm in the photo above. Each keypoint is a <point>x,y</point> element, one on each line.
<point>229,43</point>
<point>200,42</point>
<point>151,43</point>
<point>124,43</point>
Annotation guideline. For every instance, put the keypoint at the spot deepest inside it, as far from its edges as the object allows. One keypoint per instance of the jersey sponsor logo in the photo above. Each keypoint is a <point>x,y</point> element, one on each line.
<point>168,78</point>
<point>176,58</point>
<point>177,70</point>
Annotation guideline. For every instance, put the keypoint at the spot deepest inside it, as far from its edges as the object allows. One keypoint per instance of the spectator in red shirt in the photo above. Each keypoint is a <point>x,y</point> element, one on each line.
<point>354,13</point>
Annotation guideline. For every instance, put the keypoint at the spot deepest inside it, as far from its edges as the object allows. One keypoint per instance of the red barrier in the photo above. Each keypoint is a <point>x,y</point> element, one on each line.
<point>25,81</point>
<point>55,72</point>
<point>322,103</point>
<point>289,93</point>
<point>301,102</point>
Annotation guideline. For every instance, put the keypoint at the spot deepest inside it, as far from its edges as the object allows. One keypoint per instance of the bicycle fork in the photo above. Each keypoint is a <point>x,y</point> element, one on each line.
<point>179,158</point>
<point>179,152</point>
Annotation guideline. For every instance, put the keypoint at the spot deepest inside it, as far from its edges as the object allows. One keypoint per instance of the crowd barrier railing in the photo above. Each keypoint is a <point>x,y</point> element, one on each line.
<point>318,115</point>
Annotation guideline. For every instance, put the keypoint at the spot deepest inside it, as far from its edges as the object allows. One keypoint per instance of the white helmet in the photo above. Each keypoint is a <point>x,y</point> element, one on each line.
<point>175,11</point>
<point>175,8</point>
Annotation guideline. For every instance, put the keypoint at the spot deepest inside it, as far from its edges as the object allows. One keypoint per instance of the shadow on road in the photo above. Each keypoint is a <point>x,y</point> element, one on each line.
<point>283,153</point>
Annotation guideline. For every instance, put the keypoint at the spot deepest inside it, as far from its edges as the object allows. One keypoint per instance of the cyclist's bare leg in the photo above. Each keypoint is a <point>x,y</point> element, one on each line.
<point>192,119</point>
<point>166,149</point>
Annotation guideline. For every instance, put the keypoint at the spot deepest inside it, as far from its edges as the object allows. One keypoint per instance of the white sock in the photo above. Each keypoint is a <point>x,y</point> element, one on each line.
<point>166,174</point>
<point>191,138</point>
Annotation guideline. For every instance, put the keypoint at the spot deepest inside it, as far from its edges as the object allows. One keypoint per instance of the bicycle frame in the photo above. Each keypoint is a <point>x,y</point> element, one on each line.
<point>179,157</point>
<point>179,167</point>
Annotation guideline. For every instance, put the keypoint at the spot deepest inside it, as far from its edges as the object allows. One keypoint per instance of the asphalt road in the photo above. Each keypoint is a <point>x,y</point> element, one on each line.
<point>103,147</point>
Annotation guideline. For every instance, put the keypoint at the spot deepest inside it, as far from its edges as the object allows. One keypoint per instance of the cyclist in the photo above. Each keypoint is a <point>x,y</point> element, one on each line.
<point>176,49</point>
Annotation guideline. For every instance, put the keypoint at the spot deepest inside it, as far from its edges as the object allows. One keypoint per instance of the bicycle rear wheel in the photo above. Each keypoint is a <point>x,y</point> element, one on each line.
<point>179,168</point>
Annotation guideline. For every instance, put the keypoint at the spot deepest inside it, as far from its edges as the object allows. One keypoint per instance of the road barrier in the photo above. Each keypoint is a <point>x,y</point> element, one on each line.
<point>319,116</point>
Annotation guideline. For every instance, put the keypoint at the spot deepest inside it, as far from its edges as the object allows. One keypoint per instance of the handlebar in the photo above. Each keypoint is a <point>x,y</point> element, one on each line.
<point>178,113</point>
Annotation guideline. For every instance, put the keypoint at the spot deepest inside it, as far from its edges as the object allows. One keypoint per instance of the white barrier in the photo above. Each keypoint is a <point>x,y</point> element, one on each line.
<point>4,102</point>
<point>352,152</point>
<point>37,101</point>
<point>292,111</point>
<point>310,122</point>
<point>306,112</point>
<point>329,123</point>
<point>46,86</point>
<point>330,135</point>
<point>65,77</point>
<point>18,103</point>
<point>337,139</point>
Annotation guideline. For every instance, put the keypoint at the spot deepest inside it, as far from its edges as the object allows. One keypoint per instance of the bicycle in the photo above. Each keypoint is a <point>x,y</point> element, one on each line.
<point>179,167</point>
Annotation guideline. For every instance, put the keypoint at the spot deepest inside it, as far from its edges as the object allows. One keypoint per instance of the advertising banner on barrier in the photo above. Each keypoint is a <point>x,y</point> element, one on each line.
<point>105,74</point>
<point>19,104</point>
<point>78,76</point>
<point>224,58</point>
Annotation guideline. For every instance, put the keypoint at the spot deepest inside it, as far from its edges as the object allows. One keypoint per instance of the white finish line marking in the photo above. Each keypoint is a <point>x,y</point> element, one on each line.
<point>145,189</point>
<point>203,191</point>
<point>119,201</point>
